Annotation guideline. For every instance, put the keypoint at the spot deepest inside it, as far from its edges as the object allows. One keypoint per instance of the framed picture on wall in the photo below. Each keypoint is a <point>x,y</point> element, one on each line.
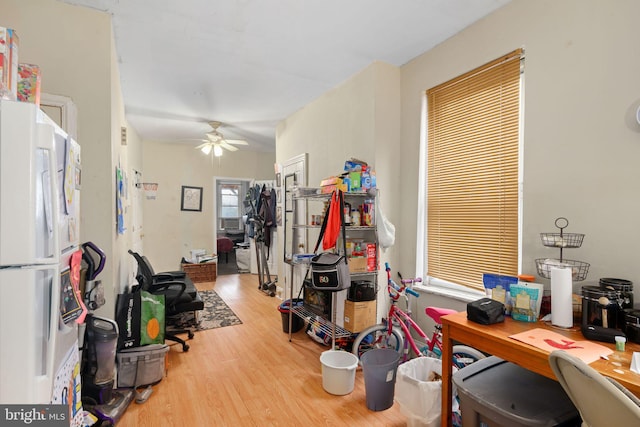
<point>191,199</point>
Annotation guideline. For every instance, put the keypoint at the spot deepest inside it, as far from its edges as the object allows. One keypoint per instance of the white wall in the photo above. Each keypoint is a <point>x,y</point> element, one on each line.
<point>169,233</point>
<point>74,48</point>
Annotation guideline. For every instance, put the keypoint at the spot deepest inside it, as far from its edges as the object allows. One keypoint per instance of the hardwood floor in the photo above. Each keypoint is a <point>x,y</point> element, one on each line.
<point>251,375</point>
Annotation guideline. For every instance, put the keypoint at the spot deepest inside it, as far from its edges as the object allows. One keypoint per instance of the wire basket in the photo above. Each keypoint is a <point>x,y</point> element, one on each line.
<point>562,240</point>
<point>579,269</point>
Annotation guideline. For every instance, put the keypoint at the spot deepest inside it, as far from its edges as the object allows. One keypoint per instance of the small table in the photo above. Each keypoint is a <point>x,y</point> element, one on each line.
<point>494,339</point>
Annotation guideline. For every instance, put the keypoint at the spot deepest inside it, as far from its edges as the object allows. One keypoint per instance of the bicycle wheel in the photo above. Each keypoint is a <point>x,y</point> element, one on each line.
<point>464,355</point>
<point>376,337</point>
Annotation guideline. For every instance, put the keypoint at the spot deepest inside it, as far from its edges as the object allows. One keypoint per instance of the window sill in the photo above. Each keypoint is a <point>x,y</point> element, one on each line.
<point>449,290</point>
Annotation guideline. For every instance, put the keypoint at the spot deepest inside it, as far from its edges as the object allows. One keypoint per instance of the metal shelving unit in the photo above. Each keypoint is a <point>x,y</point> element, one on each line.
<point>299,228</point>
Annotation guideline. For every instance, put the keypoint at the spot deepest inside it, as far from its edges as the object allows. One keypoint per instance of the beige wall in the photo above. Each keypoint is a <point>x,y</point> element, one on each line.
<point>361,119</point>
<point>581,144</point>
<point>75,50</point>
<point>169,233</point>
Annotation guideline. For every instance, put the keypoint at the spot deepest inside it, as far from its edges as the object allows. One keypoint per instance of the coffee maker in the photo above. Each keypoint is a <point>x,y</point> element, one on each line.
<point>98,371</point>
<point>603,312</point>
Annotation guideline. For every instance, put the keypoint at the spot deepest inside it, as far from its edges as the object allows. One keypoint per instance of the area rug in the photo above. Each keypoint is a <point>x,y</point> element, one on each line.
<point>216,314</point>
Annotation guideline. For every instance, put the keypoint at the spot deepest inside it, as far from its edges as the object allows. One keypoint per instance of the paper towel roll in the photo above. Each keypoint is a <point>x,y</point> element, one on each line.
<point>561,304</point>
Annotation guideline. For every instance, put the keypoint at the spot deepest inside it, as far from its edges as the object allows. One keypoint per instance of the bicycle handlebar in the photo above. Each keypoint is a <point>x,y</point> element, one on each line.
<point>401,289</point>
<point>412,292</point>
<point>409,281</point>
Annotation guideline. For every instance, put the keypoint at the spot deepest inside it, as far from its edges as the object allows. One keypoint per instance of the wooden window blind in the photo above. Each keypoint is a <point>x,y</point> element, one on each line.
<point>472,176</point>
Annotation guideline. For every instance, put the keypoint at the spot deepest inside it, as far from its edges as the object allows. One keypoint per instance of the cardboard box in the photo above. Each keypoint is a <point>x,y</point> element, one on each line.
<point>359,315</point>
<point>204,272</point>
<point>358,265</point>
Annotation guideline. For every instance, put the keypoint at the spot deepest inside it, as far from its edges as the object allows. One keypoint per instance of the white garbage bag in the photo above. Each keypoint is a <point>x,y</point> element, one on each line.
<point>418,394</point>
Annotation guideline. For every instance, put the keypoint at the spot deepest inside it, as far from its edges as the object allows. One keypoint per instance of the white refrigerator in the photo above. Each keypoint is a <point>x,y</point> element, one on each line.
<point>39,231</point>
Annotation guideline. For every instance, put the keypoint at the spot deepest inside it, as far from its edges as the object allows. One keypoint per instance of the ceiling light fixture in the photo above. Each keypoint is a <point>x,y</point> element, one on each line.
<point>217,150</point>
<point>206,149</point>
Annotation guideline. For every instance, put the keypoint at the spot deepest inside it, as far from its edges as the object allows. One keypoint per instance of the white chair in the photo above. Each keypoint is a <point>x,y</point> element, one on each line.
<point>601,401</point>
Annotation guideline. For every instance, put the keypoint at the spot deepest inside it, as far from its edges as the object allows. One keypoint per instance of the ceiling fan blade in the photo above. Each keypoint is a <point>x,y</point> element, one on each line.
<point>237,141</point>
<point>229,147</point>
<point>202,145</point>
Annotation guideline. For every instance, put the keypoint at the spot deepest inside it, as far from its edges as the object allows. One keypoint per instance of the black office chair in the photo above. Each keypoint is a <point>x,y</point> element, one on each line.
<point>181,296</point>
<point>165,275</point>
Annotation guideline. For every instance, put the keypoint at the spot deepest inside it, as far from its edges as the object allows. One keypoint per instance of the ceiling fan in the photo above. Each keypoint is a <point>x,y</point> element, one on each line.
<point>215,141</point>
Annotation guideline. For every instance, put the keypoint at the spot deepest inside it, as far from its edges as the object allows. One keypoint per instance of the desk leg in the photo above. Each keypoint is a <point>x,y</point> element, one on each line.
<point>447,372</point>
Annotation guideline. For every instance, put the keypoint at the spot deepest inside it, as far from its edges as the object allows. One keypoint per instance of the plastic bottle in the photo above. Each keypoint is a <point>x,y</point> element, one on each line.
<point>368,210</point>
<point>347,213</point>
<point>355,217</point>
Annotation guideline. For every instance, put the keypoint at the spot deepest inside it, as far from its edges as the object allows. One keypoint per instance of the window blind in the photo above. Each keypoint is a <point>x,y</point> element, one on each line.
<point>472,175</point>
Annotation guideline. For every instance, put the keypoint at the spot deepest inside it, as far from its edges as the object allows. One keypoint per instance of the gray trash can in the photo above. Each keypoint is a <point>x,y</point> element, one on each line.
<point>380,367</point>
<point>499,393</point>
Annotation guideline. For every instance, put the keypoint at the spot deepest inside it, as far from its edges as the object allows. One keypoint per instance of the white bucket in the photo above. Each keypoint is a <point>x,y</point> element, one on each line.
<point>338,371</point>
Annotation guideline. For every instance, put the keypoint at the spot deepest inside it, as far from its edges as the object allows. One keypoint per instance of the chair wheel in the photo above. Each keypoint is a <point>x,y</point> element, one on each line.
<point>190,335</point>
<point>185,347</point>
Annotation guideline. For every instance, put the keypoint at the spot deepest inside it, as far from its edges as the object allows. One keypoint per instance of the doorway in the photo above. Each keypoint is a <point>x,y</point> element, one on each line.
<point>229,218</point>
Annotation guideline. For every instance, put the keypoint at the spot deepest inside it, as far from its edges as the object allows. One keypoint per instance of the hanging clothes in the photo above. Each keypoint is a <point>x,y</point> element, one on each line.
<point>267,213</point>
<point>252,199</point>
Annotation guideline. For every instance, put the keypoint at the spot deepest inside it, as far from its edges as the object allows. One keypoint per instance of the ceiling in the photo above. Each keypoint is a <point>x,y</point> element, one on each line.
<point>251,63</point>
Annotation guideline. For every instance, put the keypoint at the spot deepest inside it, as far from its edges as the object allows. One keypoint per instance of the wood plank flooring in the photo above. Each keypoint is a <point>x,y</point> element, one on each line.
<point>251,375</point>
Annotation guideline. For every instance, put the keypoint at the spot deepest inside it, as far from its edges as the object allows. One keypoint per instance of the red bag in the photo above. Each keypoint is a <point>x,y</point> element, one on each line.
<point>334,222</point>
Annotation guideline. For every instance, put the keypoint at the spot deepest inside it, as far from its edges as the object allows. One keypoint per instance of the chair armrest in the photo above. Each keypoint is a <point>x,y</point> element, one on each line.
<point>161,277</point>
<point>161,287</point>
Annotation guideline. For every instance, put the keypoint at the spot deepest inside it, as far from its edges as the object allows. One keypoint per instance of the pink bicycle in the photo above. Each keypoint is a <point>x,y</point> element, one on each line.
<point>395,331</point>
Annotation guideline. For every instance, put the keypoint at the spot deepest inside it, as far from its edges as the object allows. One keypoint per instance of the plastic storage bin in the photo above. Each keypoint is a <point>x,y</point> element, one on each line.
<point>296,322</point>
<point>419,394</point>
<point>338,371</point>
<point>495,392</point>
<point>380,367</point>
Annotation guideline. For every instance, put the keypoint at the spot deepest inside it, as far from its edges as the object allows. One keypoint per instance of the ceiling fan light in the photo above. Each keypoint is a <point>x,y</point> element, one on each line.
<point>217,151</point>
<point>206,149</point>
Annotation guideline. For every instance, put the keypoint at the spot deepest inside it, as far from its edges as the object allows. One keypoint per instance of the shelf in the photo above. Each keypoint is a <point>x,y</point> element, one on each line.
<point>560,240</point>
<point>364,273</point>
<point>328,195</point>
<point>348,227</point>
<point>325,325</point>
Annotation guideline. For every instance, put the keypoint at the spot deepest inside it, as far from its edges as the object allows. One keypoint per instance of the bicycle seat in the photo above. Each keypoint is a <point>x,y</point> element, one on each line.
<point>436,313</point>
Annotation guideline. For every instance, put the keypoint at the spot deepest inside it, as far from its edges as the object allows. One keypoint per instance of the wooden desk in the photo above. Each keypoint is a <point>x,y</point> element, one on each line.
<point>494,339</point>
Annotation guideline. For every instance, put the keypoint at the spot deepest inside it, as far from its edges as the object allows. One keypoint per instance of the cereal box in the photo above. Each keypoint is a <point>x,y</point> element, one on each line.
<point>13,61</point>
<point>4,60</point>
<point>29,83</point>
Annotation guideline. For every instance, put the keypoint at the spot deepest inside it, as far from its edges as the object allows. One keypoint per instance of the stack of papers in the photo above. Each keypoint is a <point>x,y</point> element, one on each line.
<point>587,351</point>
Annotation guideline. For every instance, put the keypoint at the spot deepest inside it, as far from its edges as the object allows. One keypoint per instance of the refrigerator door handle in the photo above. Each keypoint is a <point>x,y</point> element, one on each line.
<point>45,141</point>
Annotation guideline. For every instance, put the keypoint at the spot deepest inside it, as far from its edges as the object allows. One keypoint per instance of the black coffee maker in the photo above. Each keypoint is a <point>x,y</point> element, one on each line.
<point>603,309</point>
